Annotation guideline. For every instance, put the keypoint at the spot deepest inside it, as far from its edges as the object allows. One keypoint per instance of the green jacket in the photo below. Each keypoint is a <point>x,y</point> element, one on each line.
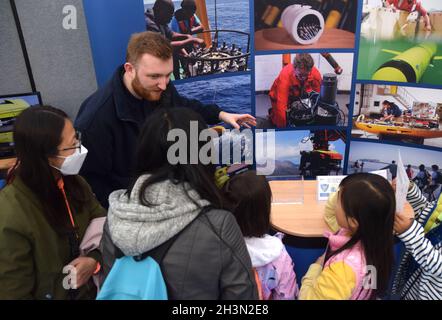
<point>32,254</point>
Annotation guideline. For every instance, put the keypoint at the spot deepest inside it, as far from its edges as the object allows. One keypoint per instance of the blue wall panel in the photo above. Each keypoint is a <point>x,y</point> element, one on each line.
<point>110,24</point>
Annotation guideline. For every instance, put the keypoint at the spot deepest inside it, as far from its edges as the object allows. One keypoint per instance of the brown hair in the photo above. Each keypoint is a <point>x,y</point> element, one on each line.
<point>250,198</point>
<point>303,60</point>
<point>152,43</point>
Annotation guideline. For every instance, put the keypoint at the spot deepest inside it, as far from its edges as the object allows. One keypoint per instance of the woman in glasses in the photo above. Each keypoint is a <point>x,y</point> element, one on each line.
<point>46,209</point>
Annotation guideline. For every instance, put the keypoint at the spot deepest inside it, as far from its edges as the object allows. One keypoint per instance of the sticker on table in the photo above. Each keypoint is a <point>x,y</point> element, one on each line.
<point>326,185</point>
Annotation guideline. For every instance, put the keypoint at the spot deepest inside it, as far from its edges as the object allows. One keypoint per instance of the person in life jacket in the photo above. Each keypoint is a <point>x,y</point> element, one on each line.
<point>411,6</point>
<point>157,20</point>
<point>185,20</point>
<point>294,80</point>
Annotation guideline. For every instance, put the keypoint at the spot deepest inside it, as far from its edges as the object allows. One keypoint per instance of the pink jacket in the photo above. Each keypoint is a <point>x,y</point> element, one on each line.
<point>91,241</point>
<point>353,257</point>
<point>274,266</point>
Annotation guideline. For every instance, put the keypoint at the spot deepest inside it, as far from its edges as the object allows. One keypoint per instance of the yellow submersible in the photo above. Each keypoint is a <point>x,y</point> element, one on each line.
<point>407,66</point>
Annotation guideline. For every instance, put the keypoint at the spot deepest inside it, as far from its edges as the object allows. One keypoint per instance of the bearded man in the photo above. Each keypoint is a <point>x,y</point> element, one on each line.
<point>111,118</point>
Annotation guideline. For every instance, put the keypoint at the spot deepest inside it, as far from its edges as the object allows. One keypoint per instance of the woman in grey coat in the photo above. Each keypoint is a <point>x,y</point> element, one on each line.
<point>208,259</point>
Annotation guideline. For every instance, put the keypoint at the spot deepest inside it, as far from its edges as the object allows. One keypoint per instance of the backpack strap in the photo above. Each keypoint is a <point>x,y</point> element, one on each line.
<point>159,252</point>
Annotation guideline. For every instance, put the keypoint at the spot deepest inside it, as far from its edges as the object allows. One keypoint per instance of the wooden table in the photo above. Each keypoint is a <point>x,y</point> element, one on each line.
<point>279,39</point>
<point>301,220</point>
<point>7,163</point>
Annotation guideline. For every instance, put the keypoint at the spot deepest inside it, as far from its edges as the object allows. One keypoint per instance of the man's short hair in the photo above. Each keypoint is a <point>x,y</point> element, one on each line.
<point>303,60</point>
<point>152,43</point>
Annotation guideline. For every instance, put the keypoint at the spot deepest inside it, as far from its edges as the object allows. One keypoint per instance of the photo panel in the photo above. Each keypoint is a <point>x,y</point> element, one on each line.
<point>398,113</point>
<point>401,41</point>
<point>209,37</point>
<point>421,165</point>
<point>306,153</point>
<point>304,24</point>
<point>282,100</point>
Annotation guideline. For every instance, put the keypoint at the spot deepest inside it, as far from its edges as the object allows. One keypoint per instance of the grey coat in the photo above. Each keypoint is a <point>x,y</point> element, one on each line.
<point>209,258</point>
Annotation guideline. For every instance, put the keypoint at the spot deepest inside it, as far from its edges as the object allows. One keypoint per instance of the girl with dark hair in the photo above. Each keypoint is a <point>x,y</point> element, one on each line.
<point>208,258</point>
<point>358,262</point>
<point>46,209</point>
<point>251,199</point>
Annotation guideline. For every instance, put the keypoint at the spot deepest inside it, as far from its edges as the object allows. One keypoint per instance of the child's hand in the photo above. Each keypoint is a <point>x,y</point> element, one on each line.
<point>84,268</point>
<point>402,223</point>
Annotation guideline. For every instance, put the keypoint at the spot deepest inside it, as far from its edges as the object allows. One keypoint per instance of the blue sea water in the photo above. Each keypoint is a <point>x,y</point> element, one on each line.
<point>232,15</point>
<point>232,94</point>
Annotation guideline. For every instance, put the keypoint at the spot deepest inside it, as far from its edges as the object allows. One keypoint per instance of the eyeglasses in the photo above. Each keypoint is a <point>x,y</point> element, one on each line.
<point>78,146</point>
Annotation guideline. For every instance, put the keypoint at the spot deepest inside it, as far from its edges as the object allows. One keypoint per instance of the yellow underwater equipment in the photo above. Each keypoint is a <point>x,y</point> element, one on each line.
<point>398,130</point>
<point>333,19</point>
<point>407,66</point>
<point>335,15</point>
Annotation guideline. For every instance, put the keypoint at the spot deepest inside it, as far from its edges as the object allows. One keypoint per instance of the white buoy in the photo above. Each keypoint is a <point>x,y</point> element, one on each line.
<point>304,24</point>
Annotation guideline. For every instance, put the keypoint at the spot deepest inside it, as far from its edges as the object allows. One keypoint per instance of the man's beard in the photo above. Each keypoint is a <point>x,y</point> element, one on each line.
<point>144,93</point>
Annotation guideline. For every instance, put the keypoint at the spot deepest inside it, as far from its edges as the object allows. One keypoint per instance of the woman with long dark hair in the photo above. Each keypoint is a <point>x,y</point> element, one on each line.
<point>359,259</point>
<point>46,209</point>
<point>208,258</point>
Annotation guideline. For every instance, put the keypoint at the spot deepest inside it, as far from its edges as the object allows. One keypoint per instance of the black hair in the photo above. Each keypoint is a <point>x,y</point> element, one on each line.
<point>250,199</point>
<point>37,135</point>
<point>188,4</point>
<point>422,167</point>
<point>165,7</point>
<point>435,167</point>
<point>152,152</point>
<point>369,199</point>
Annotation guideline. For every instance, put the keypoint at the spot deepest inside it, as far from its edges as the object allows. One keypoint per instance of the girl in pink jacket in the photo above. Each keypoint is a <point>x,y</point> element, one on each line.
<point>250,197</point>
<point>359,258</point>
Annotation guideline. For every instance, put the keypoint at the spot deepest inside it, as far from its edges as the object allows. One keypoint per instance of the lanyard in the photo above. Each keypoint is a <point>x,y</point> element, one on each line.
<point>60,184</point>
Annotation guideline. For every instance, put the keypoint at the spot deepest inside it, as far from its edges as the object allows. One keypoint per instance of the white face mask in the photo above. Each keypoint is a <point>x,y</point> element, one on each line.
<point>72,164</point>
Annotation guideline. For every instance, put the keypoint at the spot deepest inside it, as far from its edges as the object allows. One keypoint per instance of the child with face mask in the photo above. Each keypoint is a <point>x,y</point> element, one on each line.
<point>50,223</point>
